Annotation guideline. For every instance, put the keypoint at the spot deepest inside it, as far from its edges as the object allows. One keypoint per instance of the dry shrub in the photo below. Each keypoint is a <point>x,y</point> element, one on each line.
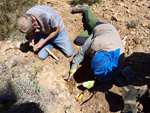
<point>10,10</point>
<point>90,2</point>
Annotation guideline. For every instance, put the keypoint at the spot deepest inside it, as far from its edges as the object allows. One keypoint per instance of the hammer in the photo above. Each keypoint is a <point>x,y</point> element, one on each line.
<point>57,59</point>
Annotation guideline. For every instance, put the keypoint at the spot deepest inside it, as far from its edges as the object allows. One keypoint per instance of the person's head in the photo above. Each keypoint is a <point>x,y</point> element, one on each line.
<point>26,23</point>
<point>104,62</point>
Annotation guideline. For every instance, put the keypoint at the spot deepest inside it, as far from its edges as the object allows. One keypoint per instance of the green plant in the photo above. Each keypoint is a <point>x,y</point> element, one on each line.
<point>133,24</point>
<point>25,88</point>
<point>10,10</point>
<point>90,2</point>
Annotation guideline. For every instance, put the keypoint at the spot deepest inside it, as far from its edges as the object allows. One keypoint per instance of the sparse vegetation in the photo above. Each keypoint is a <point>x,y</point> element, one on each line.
<point>10,10</point>
<point>25,88</point>
<point>90,2</point>
<point>133,24</point>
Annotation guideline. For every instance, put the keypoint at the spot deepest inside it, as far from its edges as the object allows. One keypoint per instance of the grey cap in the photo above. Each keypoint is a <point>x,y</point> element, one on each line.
<point>25,24</point>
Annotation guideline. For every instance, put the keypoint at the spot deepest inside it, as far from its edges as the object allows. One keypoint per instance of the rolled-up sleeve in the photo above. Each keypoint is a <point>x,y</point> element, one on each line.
<point>81,53</point>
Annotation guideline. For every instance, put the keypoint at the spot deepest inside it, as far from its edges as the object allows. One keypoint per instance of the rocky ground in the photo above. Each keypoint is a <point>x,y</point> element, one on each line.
<point>132,20</point>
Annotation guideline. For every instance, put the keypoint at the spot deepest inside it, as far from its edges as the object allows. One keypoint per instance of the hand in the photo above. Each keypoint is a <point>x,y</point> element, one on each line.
<point>31,42</point>
<point>72,71</point>
<point>89,84</point>
<point>39,44</point>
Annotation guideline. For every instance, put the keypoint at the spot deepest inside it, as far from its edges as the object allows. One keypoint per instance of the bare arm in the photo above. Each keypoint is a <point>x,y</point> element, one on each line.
<point>50,36</point>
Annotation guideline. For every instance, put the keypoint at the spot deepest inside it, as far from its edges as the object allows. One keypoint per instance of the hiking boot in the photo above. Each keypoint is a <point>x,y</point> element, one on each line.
<point>78,8</point>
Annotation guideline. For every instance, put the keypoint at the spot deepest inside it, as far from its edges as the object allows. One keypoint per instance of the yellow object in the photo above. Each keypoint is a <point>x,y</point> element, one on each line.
<point>145,24</point>
<point>78,99</point>
<point>80,96</point>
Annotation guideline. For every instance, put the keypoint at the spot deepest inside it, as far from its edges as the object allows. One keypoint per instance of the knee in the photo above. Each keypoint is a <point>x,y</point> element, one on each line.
<point>80,40</point>
<point>69,54</point>
<point>42,56</point>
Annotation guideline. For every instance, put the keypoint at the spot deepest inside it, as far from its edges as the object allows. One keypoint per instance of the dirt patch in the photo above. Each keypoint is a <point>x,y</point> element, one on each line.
<point>60,95</point>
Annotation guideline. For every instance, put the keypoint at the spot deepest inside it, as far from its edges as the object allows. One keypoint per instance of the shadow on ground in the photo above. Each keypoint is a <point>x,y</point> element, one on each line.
<point>24,47</point>
<point>140,63</point>
<point>9,104</point>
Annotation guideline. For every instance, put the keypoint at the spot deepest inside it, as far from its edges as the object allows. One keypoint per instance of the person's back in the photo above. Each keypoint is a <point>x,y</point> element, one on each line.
<point>47,17</point>
<point>106,38</point>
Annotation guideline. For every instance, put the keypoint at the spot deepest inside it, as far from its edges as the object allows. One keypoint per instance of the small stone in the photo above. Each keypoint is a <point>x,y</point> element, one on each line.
<point>132,32</point>
<point>128,11</point>
<point>137,40</point>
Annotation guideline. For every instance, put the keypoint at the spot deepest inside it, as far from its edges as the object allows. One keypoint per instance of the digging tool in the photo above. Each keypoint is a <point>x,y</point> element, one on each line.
<point>69,78</point>
<point>78,99</point>
<point>57,58</point>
